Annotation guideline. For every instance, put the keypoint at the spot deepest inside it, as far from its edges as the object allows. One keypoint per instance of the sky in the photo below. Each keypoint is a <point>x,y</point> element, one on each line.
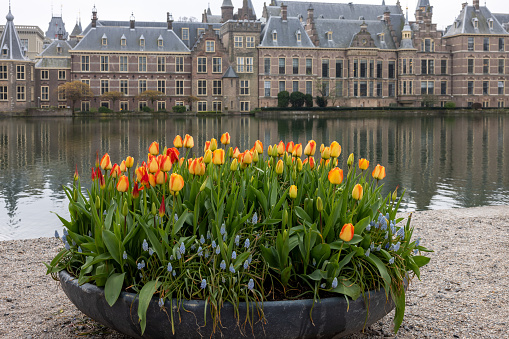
<point>38,12</point>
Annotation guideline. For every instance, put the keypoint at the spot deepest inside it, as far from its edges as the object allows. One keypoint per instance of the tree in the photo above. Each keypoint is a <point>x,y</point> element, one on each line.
<point>190,99</point>
<point>113,96</point>
<point>283,98</point>
<point>308,98</point>
<point>297,99</point>
<point>428,100</point>
<point>151,96</point>
<point>74,91</point>
<point>322,87</point>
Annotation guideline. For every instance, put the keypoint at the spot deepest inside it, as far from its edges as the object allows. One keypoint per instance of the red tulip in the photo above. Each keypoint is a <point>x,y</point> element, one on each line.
<point>162,208</point>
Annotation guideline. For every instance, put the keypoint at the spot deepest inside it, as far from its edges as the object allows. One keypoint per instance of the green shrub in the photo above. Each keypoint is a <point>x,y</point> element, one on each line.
<point>103,109</point>
<point>283,98</point>
<point>179,109</point>
<point>146,109</point>
<point>297,99</point>
<point>450,105</point>
<point>321,101</point>
<point>308,98</point>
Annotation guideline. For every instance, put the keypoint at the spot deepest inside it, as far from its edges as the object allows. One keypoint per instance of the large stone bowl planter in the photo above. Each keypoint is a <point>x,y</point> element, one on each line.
<point>284,319</point>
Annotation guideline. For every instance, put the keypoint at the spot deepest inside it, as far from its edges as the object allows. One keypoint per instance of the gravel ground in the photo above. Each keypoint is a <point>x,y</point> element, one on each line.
<point>464,291</point>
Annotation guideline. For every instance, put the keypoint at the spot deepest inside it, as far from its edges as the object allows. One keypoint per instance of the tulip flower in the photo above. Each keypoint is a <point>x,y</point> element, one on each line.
<point>177,142</point>
<point>102,181</point>
<point>76,175</point>
<point>357,192</point>
<point>165,164</point>
<point>269,150</point>
<point>279,167</point>
<point>140,172</point>
<point>274,151</point>
<point>173,154</point>
<point>335,149</point>
<point>153,166</point>
<point>152,180</point>
<point>106,162</point>
<point>325,153</point>
<point>136,191</point>
<point>281,148</point>
<point>188,141</point>
<point>181,161</point>
<point>289,147</point>
<point>93,175</point>
<point>154,148</point>
<point>200,167</point>
<point>123,166</point>
<point>236,152</point>
<point>299,164</point>
<point>96,159</point>
<point>293,191</point>
<point>258,146</point>
<point>207,158</point>
<point>207,146</point>
<point>378,172</point>
<point>349,162</point>
<point>115,171</point>
<point>297,150</point>
<point>310,148</point>
<point>311,162</point>
<point>129,162</point>
<point>247,158</point>
<point>234,165</point>
<point>322,146</point>
<point>363,164</point>
<point>347,232</point>
<point>255,156</point>
<point>192,166</point>
<point>225,138</point>
<point>145,180</point>
<point>336,176</point>
<point>162,209</point>
<point>160,177</point>
<point>213,144</point>
<point>176,183</point>
<point>218,156</point>
<point>123,184</point>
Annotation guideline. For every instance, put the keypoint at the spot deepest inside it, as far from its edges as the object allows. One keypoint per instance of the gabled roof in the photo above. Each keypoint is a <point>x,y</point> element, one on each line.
<point>76,30</point>
<point>55,26</point>
<point>10,41</point>
<point>92,40</point>
<point>213,19</point>
<point>286,33</point>
<point>422,3</point>
<point>464,23</point>
<point>230,73</point>
<point>50,58</point>
<point>227,3</point>
<point>192,30</point>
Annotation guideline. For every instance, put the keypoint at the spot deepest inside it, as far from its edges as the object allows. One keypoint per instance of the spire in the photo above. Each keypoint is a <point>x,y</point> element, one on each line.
<point>383,2</point>
<point>227,3</point>
<point>10,44</point>
<point>209,12</point>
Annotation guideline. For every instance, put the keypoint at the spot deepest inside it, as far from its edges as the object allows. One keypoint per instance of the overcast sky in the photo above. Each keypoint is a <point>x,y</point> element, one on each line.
<point>38,12</point>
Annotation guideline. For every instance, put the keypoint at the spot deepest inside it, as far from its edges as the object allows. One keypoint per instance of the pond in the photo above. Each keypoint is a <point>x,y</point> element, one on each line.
<point>441,160</point>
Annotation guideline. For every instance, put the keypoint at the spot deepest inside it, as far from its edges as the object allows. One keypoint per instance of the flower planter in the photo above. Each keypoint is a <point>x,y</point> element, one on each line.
<point>332,317</point>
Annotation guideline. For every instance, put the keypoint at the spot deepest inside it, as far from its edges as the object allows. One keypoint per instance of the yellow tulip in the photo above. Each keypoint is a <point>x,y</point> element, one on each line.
<point>335,149</point>
<point>363,164</point>
<point>123,184</point>
<point>357,192</point>
<point>218,156</point>
<point>326,153</point>
<point>347,232</point>
<point>207,158</point>
<point>293,191</point>
<point>176,183</point>
<point>129,162</point>
<point>177,142</point>
<point>279,167</point>
<point>310,148</point>
<point>225,138</point>
<point>378,172</point>
<point>154,148</point>
<point>336,176</point>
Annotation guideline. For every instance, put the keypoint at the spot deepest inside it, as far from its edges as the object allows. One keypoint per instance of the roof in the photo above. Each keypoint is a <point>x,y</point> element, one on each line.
<point>227,3</point>
<point>422,3</point>
<point>214,19</point>
<point>55,26</point>
<point>92,40</point>
<point>230,73</point>
<point>192,30</point>
<point>76,30</point>
<point>286,33</point>
<point>464,23</point>
<point>10,41</point>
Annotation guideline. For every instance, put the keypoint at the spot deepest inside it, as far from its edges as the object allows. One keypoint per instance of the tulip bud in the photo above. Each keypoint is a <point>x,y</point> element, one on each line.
<point>225,138</point>
<point>122,166</point>
<point>269,150</point>
<point>363,164</point>
<point>218,156</point>
<point>395,194</point>
<point>299,164</point>
<point>160,177</point>
<point>162,210</point>
<point>207,146</point>
<point>325,153</point>
<point>213,144</point>
<point>230,152</point>
<point>123,184</point>
<point>153,166</point>
<point>274,151</point>
<point>152,180</point>
<point>258,146</point>
<point>234,165</point>
<point>294,174</point>
<point>347,232</point>
<point>106,162</point>
<point>154,148</point>
<point>322,146</point>
<point>357,192</point>
<point>255,156</point>
<point>280,148</point>
<point>202,187</point>
<point>293,191</point>
<point>207,158</point>
<point>177,142</point>
<point>102,181</point>
<point>76,175</point>
<point>154,209</point>
<point>188,141</point>
<point>97,202</point>
<point>297,150</point>
<point>247,158</point>
<point>96,159</point>
<point>350,160</point>
<point>335,149</point>
<point>379,172</point>
<point>288,160</point>
<point>129,162</point>
<point>136,191</point>
<point>236,152</point>
<point>289,147</point>
<point>75,195</point>
<point>279,167</point>
<point>181,161</point>
<point>176,182</point>
<point>319,204</point>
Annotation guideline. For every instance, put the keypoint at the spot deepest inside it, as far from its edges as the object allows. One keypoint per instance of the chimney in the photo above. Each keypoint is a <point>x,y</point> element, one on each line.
<point>60,34</point>
<point>94,17</point>
<point>131,21</point>
<point>311,18</point>
<point>169,20</point>
<point>284,12</point>
<point>476,5</point>
<point>463,5</point>
<point>387,15</point>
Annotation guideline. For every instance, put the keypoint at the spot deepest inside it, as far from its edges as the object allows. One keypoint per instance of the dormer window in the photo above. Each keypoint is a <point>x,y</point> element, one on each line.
<point>329,35</point>
<point>490,23</point>
<point>274,35</point>
<point>123,40</point>
<point>456,24</point>
<point>475,22</point>
<point>299,36</point>
<point>160,41</point>
<point>300,17</point>
<point>382,37</point>
<point>104,40</point>
<point>142,41</point>
<point>5,50</point>
<point>59,49</point>
<point>361,18</point>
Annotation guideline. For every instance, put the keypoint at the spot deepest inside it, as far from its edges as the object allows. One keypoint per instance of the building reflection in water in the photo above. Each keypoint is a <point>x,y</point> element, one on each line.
<point>442,161</point>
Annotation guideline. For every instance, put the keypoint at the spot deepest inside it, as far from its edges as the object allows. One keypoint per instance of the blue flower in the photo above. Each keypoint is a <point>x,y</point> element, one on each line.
<point>225,236</point>
<point>223,280</point>
<point>391,260</point>
<point>73,242</point>
<point>223,229</point>
<point>416,251</point>
<point>386,235</point>
<point>89,233</point>
<point>368,228</point>
<point>202,240</point>
<point>218,250</point>
<point>401,233</point>
<point>67,246</point>
<point>396,247</point>
<point>56,234</point>
<point>387,246</point>
<point>379,248</point>
<point>417,243</point>
<point>65,232</point>
<point>255,218</point>
<point>234,255</point>
<point>64,238</point>
<point>124,255</point>
<point>172,257</point>
<point>207,254</point>
<point>223,265</point>
<point>250,259</point>
<point>179,255</point>
<point>141,264</point>
<point>161,302</point>
<point>208,235</point>
<point>182,248</point>
<point>150,251</point>
<point>176,217</point>
<point>200,251</point>
<point>79,249</point>
<point>145,245</point>
<point>322,285</point>
<point>247,243</point>
<point>368,252</point>
<point>372,246</point>
<point>237,240</point>
<point>335,282</point>
<point>250,284</point>
<point>214,244</point>
<point>246,265</point>
<point>314,262</point>
<point>169,268</point>
<point>174,273</point>
<point>193,247</point>
<point>232,269</point>
<point>203,284</point>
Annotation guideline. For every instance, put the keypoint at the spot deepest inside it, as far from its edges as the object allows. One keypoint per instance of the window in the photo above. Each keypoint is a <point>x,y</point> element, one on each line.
<point>85,106</point>
<point>250,42</point>
<point>309,66</point>
<point>124,87</point>
<point>486,44</point>
<point>299,36</point>
<point>61,95</point>
<point>123,41</point>
<point>266,86</point>
<point>141,104</point>
<point>244,87</point>
<point>475,22</point>
<point>86,81</point>
<point>217,106</point>
<point>210,46</point>
<point>295,86</point>
<point>104,63</point>
<point>325,68</point>
<point>371,68</point>
<point>427,87</point>
<point>486,66</point>
<point>44,74</point>
<point>379,65</point>
<point>161,64</point>
<point>470,43</point>
<point>500,66</point>
<point>216,65</point>
<point>124,105</point>
<point>295,65</point>
<point>309,87</point>
<point>142,86</point>
<point>266,65</point>
<point>500,104</point>
<point>355,68</point>
<point>179,103</point>
<point>470,88</point>
<point>244,106</point>
<point>443,87</point>
<point>45,93</point>
<point>105,86</point>
<point>379,92</point>
<point>160,42</point>
<point>142,64</point>
<point>20,72</point>
<point>179,87</point>
<point>392,69</point>
<point>249,65</point>
<point>3,93</point>
<point>274,36</point>
<point>200,31</point>
<point>500,87</point>
<point>179,64</point>
<point>161,105</point>
<point>240,65</point>
<point>202,65</point>
<point>339,88</point>
<point>443,66</point>
<point>237,42</point>
<point>501,45</point>
<point>217,87</point>
<point>428,45</point>
<point>485,87</point>
<point>61,74</point>
<point>202,87</point>
<point>363,89</point>
<point>470,66</point>
<point>202,106</point>
<point>364,68</point>
<point>3,72</point>
<point>486,104</point>
<point>282,66</point>
<point>20,93</point>
<point>339,68</point>
<point>123,63</point>
<point>406,87</point>
<point>282,86</point>
<point>161,86</point>
<point>329,36</point>
<point>104,40</point>
<point>185,33</point>
<point>392,88</point>
<point>382,37</point>
<point>427,66</point>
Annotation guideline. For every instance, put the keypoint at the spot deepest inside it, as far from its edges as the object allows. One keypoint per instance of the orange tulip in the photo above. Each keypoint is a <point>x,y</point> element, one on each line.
<point>123,184</point>
<point>258,146</point>
<point>281,148</point>
<point>123,166</point>
<point>173,154</point>
<point>289,147</point>
<point>225,138</point>
<point>154,148</point>
<point>347,232</point>
<point>310,148</point>
<point>378,172</point>
<point>236,152</point>
<point>153,166</point>
<point>181,161</point>
<point>136,191</point>
<point>176,183</point>
<point>297,150</point>
<point>152,180</point>
<point>213,144</point>
<point>200,167</point>
<point>326,153</point>
<point>188,141</point>
<point>293,191</point>
<point>218,156</point>
<point>311,162</point>
<point>145,180</point>
<point>140,172</point>
<point>177,142</point>
<point>207,146</point>
<point>322,146</point>
<point>129,162</point>
<point>336,176</point>
<point>106,162</point>
<point>335,149</point>
<point>165,164</point>
<point>357,192</point>
<point>191,166</point>
<point>247,157</point>
<point>115,171</point>
<point>363,164</point>
<point>162,209</point>
<point>160,177</point>
<point>207,158</point>
<point>279,167</point>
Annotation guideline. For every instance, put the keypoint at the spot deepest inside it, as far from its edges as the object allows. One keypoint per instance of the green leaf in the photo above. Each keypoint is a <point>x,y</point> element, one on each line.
<point>270,256</point>
<point>113,245</point>
<point>317,275</point>
<point>178,225</point>
<point>355,240</point>
<point>361,225</point>
<point>97,259</point>
<point>399,300</point>
<point>421,260</point>
<point>302,214</point>
<point>348,288</point>
<point>109,216</point>
<point>146,294</point>
<point>382,269</point>
<point>345,260</point>
<point>285,275</point>
<point>113,287</point>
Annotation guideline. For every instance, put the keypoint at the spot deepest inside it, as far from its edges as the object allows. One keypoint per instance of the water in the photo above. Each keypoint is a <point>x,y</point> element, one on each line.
<point>442,161</point>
